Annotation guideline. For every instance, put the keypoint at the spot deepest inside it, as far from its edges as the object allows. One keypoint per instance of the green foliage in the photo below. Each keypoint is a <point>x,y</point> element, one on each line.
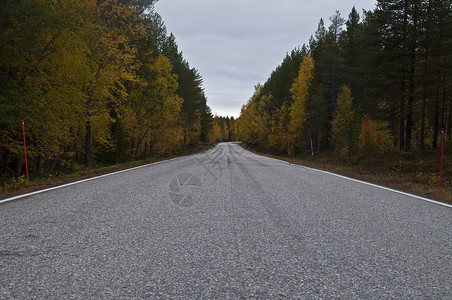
<point>96,82</point>
<point>280,81</point>
<point>395,61</point>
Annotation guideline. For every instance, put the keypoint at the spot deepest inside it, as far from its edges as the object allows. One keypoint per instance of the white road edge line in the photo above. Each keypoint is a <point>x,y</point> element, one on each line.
<point>158,162</point>
<point>85,180</point>
<point>364,182</point>
<point>380,187</point>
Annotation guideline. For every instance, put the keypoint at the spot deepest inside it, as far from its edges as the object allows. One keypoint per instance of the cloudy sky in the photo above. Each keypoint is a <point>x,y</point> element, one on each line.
<point>235,44</point>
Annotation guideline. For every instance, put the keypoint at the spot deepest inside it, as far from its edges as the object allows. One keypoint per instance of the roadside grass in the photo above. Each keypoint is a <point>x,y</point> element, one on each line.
<point>417,173</point>
<point>11,186</point>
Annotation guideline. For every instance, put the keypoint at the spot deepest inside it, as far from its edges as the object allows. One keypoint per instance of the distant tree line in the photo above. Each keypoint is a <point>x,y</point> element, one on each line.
<point>222,130</point>
<point>373,83</point>
<point>96,81</point>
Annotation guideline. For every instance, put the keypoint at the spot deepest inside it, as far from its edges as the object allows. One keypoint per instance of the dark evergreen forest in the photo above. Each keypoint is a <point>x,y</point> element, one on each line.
<point>381,82</point>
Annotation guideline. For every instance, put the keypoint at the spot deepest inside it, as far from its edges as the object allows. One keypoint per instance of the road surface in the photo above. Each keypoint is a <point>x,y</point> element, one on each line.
<point>224,224</point>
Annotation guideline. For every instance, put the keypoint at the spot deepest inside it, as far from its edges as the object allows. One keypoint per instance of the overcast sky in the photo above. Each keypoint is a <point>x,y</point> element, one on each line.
<point>234,44</point>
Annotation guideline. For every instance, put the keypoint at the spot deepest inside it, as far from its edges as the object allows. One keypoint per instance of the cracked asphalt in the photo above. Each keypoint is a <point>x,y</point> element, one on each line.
<point>224,224</point>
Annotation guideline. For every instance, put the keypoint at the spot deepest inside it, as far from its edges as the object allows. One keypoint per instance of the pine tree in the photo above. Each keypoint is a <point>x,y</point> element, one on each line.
<point>350,44</point>
<point>330,68</point>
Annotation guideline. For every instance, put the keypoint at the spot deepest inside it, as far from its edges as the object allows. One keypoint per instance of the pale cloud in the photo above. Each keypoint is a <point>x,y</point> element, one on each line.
<point>235,44</point>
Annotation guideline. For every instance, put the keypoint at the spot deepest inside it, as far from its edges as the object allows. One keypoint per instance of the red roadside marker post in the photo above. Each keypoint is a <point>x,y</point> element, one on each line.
<point>441,168</point>
<point>25,150</point>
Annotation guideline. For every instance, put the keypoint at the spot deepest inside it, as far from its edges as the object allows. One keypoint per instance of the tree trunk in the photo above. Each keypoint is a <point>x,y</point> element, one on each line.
<point>54,164</point>
<point>310,138</point>
<point>41,163</point>
<point>19,167</point>
<point>444,93</point>
<point>403,82</point>
<point>288,143</point>
<point>450,118</point>
<point>435,128</point>
<point>402,117</point>
<point>137,149</point>
<point>424,85</point>
<point>88,144</point>
<point>409,111</point>
<point>411,87</point>
<point>5,162</point>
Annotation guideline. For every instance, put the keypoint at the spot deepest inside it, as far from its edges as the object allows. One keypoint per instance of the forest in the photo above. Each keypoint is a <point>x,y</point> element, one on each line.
<point>95,82</point>
<point>100,82</point>
<point>374,83</point>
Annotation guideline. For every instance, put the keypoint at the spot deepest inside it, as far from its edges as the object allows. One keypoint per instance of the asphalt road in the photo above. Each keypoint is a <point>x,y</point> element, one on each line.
<point>225,224</point>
